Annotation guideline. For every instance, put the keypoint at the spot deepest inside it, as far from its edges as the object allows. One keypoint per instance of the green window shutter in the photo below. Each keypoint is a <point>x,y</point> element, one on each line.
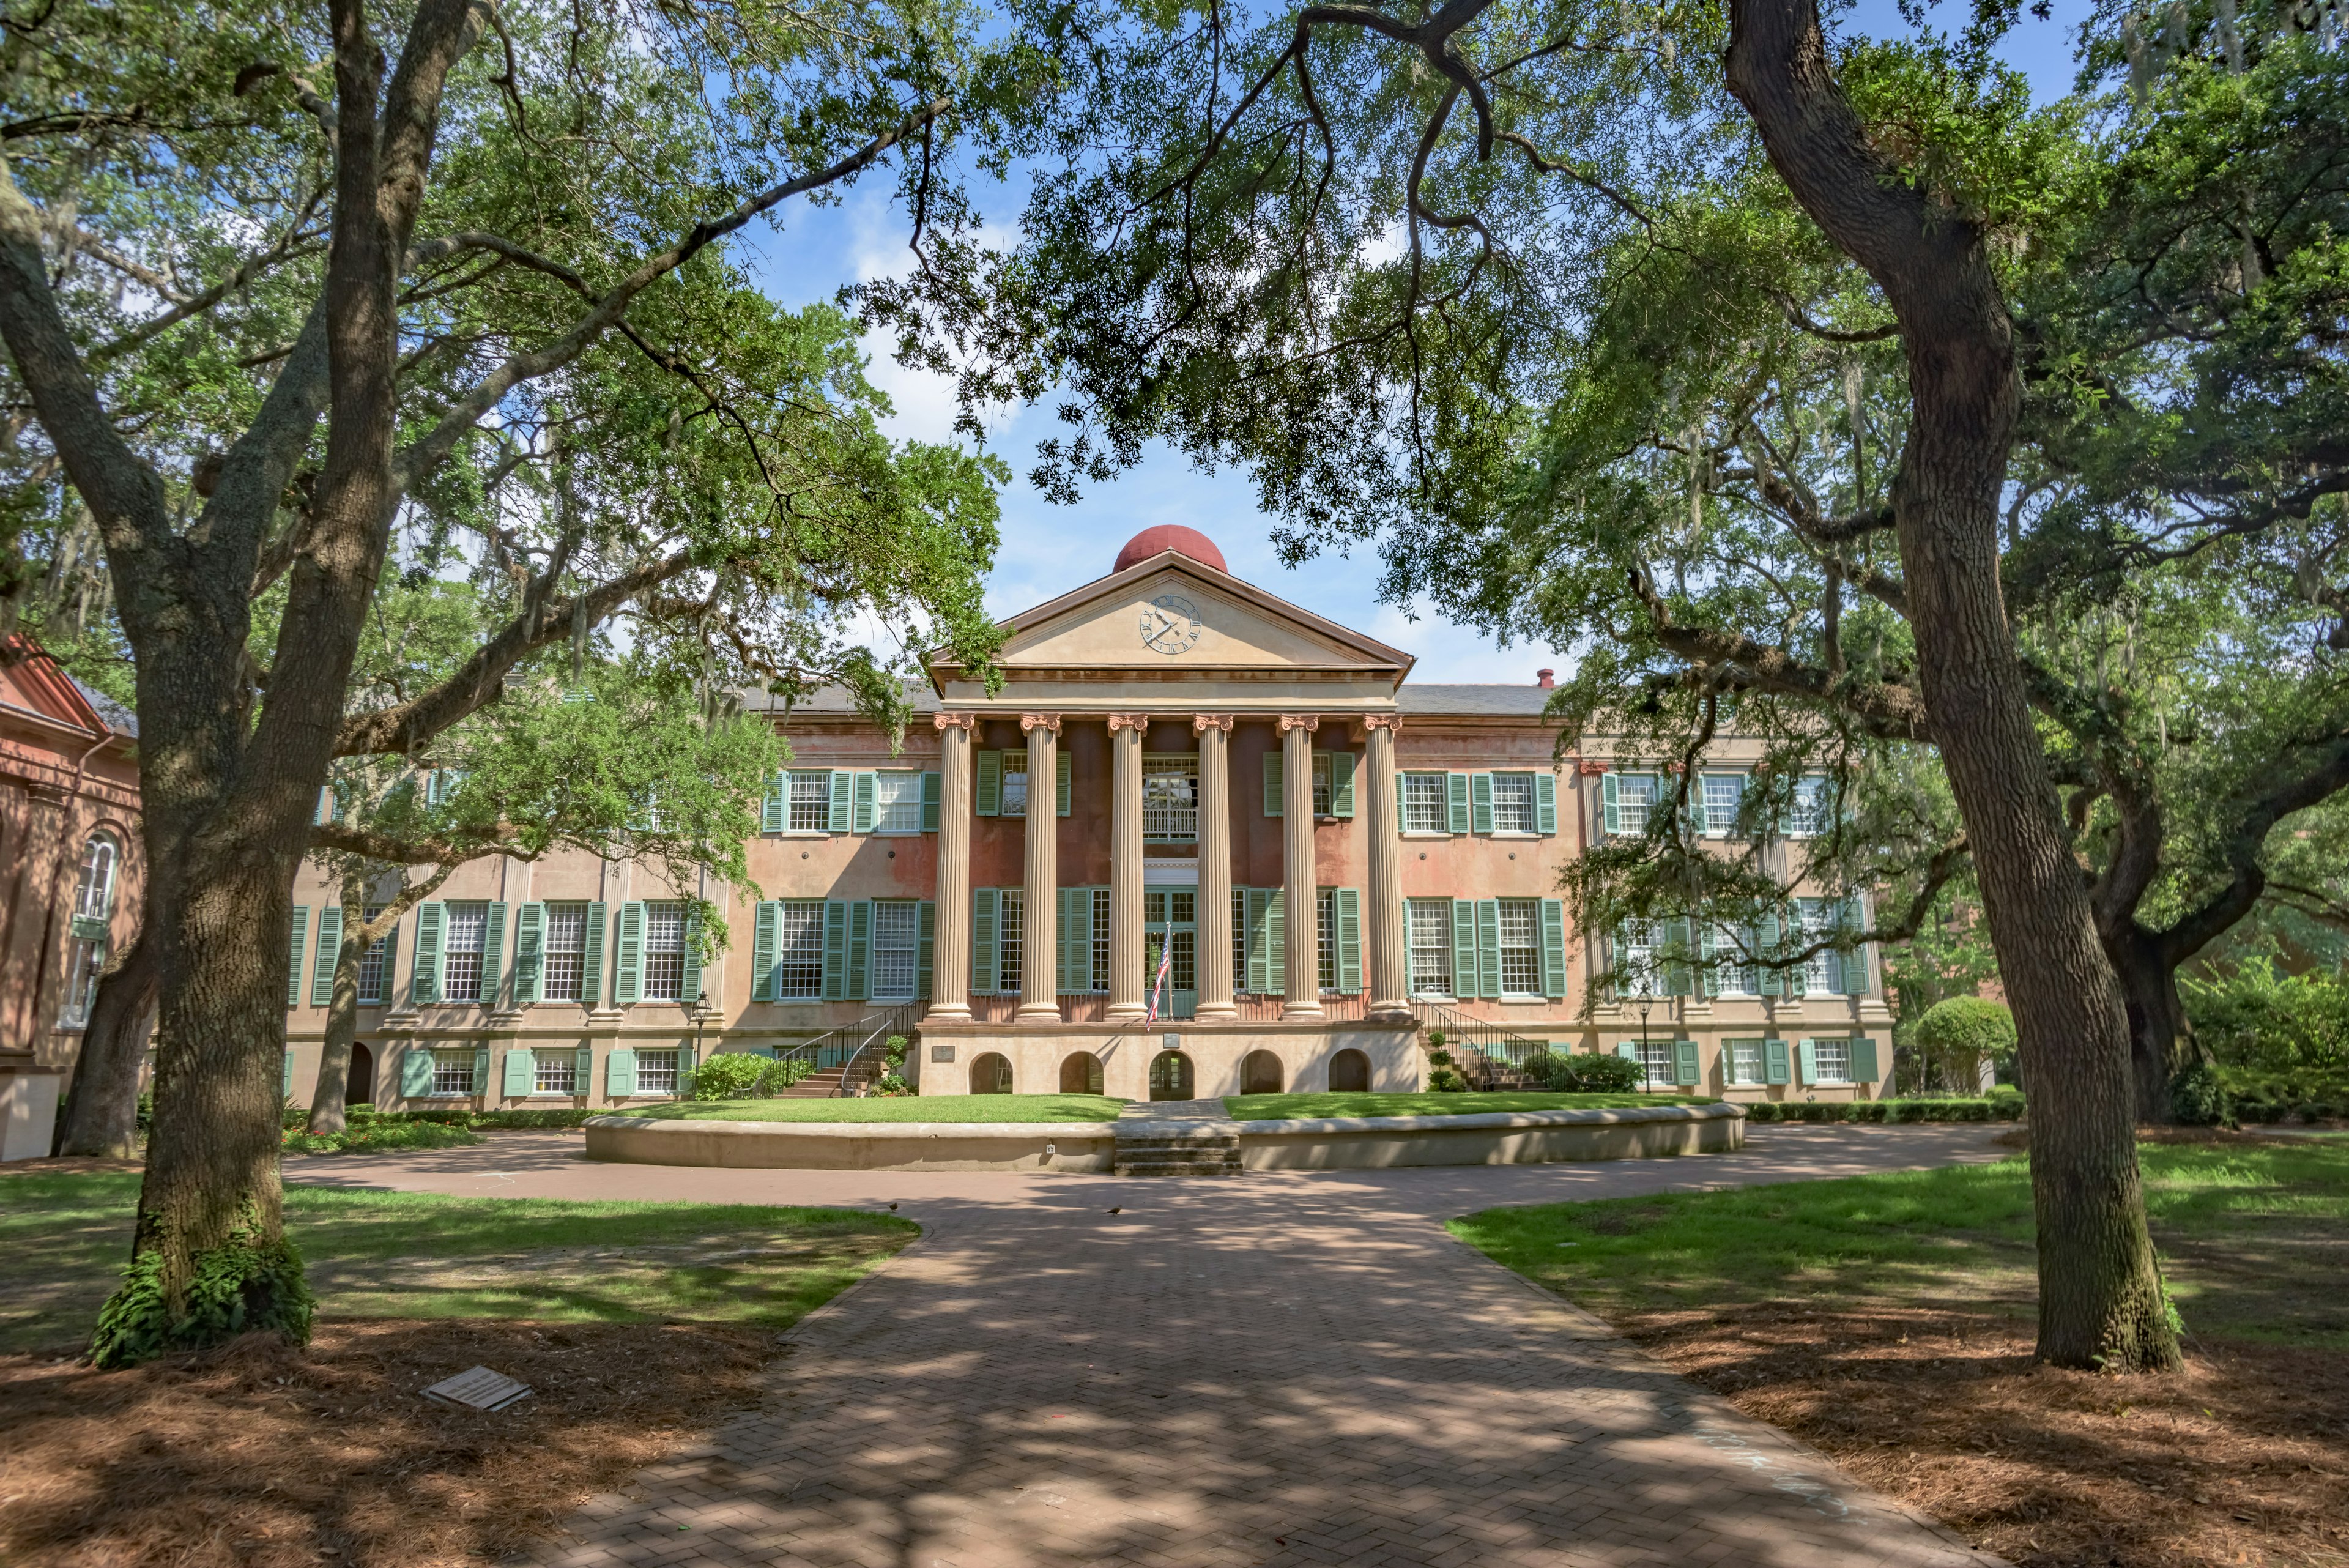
<point>1061,775</point>
<point>1775,1067</point>
<point>530,954</point>
<point>770,815</point>
<point>432,920</point>
<point>765,932</point>
<point>1073,939</point>
<point>988,791</point>
<point>986,923</point>
<point>330,948</point>
<point>1272,786</point>
<point>415,1072</point>
<point>1684,1074</point>
<point>286,1074</point>
<point>582,1067</point>
<point>390,960</point>
<point>619,1074</point>
<point>690,985</point>
<point>1708,978</point>
<point>628,977</point>
<point>494,953</point>
<point>933,786</point>
<point>1696,817</point>
<point>1810,1062</point>
<point>482,1071</point>
<point>1610,802</point>
<point>1863,1061</point>
<point>836,950</point>
<point>1855,963</point>
<point>1676,965</point>
<point>1546,804</point>
<point>860,950</point>
<point>1553,948</point>
<point>1349,939</point>
<point>1768,981</point>
<point>1464,943</point>
<point>1480,799</point>
<point>1488,945</point>
<point>299,940</point>
<point>1342,783</point>
<point>1276,941</point>
<point>591,978</point>
<point>926,946</point>
<point>864,809</point>
<point>1259,974</point>
<point>841,783</point>
<point>1457,812</point>
<point>521,1072</point>
<point>1628,1050</point>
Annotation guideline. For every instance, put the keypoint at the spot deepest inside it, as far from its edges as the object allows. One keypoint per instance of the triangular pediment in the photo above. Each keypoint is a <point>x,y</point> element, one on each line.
<point>1171,612</point>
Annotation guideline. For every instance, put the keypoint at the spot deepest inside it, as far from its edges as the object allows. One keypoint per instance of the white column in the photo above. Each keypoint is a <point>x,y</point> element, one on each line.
<point>1040,998</point>
<point>1301,893</point>
<point>1215,911</point>
<point>1125,977</point>
<point>950,958</point>
<point>1388,983</point>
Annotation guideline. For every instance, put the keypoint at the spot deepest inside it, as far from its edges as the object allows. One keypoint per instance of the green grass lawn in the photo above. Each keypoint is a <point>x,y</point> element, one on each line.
<point>1307,1107</point>
<point>908,1109</point>
<point>2252,1235</point>
<point>63,1240</point>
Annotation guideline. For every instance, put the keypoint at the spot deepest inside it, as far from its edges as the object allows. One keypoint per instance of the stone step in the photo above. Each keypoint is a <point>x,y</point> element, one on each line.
<point>1178,1167</point>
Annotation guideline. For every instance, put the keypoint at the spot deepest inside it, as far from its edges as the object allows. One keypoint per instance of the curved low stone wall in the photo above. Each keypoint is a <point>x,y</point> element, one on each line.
<point>855,1146</point>
<point>1343,1143</point>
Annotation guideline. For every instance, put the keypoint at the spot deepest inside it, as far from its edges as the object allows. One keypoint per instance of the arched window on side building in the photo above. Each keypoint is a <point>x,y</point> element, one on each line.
<point>93,917</point>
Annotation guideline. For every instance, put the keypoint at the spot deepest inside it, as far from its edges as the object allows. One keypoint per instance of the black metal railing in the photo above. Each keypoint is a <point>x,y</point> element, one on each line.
<point>1484,1051</point>
<point>850,1044</point>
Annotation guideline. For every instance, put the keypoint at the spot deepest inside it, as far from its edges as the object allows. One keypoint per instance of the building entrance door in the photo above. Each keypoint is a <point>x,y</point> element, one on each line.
<point>1171,914</point>
<point>1170,1077</point>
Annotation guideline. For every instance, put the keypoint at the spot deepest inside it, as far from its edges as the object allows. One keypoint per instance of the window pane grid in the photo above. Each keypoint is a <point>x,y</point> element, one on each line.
<point>811,801</point>
<point>562,977</point>
<point>1239,943</point>
<point>1013,944</point>
<point>898,803</point>
<point>1424,809</point>
<point>893,972</point>
<point>1731,977</point>
<point>1513,802</point>
<point>1520,947</point>
<point>1808,817</point>
<point>1833,1060</point>
<point>1745,1060</point>
<point>1819,923</point>
<point>452,1072</point>
<point>1097,980</point>
<point>799,951</point>
<point>1636,960</point>
<point>371,959</point>
<point>1170,798</point>
<point>1430,923</point>
<point>1656,1060</point>
<point>1636,794</point>
<point>555,1072</point>
<point>664,957</point>
<point>1015,783</point>
<point>1722,794</point>
<point>1320,783</point>
<point>460,962</point>
<point>657,1071</point>
<point>1325,925</point>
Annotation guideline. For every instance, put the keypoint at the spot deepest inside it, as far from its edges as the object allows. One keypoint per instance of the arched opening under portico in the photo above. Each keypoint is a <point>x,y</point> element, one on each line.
<point>1171,1077</point>
<point>1260,1074</point>
<point>1080,1074</point>
<point>359,1086</point>
<point>1350,1072</point>
<point>990,1074</point>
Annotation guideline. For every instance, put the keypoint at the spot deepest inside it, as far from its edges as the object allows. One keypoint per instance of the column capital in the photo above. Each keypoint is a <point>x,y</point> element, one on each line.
<point>1308,723</point>
<point>1137,722</point>
<point>1028,722</point>
<point>1203,722</point>
<point>945,721</point>
<point>1390,722</point>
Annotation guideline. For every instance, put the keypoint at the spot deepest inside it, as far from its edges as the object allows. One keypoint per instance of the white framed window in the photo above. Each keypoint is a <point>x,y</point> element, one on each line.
<point>664,956</point>
<point>452,1071</point>
<point>1325,925</point>
<point>898,803</point>
<point>1170,798</point>
<point>1424,806</point>
<point>1806,816</point>
<point>1513,802</point>
<point>894,925</point>
<point>1655,1059</point>
<point>554,1072</point>
<point>1833,1060</point>
<point>657,1071</point>
<point>1520,947</point>
<point>1320,783</point>
<point>461,960</point>
<point>1722,795</point>
<point>1637,795</point>
<point>1744,1063</point>
<point>1429,930</point>
<point>1731,977</point>
<point>1635,960</point>
<point>93,909</point>
<point>799,951</point>
<point>1015,783</point>
<point>1240,942</point>
<point>1097,980</point>
<point>811,803</point>
<point>371,965</point>
<point>1011,949</point>
<point>1819,921</point>
<point>564,977</point>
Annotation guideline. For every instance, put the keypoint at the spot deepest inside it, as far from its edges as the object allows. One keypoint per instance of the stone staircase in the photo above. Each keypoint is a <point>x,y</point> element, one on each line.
<point>825,1083</point>
<point>1177,1137</point>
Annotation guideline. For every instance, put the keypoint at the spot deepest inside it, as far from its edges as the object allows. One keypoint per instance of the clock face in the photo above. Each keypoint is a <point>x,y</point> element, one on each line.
<point>1170,624</point>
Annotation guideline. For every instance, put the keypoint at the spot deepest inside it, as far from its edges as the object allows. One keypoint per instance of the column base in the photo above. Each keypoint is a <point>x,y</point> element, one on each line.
<point>1388,1012</point>
<point>1125,1011</point>
<point>1219,1013</point>
<point>948,1012</point>
<point>1038,1013</point>
<point>1310,1011</point>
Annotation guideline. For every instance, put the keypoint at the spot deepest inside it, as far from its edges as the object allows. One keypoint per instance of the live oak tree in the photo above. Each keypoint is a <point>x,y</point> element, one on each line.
<point>1343,244</point>
<point>277,280</point>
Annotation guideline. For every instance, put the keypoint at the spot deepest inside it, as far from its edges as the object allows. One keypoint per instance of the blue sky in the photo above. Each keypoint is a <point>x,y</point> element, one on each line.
<point>1048,549</point>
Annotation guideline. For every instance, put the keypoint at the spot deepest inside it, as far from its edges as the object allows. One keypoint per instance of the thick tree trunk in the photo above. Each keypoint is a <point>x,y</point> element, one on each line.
<point>2161,1043</point>
<point>327,1111</point>
<point>102,1117</point>
<point>2100,1300</point>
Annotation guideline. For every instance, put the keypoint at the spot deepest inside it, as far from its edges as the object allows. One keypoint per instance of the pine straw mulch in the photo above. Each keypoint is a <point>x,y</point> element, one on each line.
<point>261,1456</point>
<point>2242,1459</point>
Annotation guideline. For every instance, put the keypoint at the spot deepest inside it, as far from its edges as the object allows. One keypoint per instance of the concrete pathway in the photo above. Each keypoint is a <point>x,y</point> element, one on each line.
<point>1285,1368</point>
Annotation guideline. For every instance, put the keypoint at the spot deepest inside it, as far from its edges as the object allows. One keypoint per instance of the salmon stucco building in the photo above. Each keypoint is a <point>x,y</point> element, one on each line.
<point>1199,841</point>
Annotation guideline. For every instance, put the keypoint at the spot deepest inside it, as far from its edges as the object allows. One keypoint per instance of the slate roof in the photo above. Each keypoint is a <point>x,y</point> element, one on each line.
<point>119,719</point>
<point>1509,702</point>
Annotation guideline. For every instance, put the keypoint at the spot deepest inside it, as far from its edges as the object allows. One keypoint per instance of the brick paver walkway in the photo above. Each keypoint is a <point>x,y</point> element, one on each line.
<point>1277,1369</point>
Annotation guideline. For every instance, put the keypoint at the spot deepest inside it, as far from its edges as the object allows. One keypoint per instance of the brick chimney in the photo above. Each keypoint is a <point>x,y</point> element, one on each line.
<point>1548,678</point>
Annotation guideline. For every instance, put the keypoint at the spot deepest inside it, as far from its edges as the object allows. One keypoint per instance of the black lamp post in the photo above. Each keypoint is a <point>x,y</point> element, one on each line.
<point>1646,1001</point>
<point>700,1017</point>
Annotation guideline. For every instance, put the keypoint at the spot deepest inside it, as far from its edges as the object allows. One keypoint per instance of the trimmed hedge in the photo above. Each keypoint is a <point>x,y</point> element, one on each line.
<point>2006,1107</point>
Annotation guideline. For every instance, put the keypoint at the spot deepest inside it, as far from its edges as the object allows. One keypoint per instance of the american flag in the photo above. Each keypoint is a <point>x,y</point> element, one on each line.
<point>1158,983</point>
